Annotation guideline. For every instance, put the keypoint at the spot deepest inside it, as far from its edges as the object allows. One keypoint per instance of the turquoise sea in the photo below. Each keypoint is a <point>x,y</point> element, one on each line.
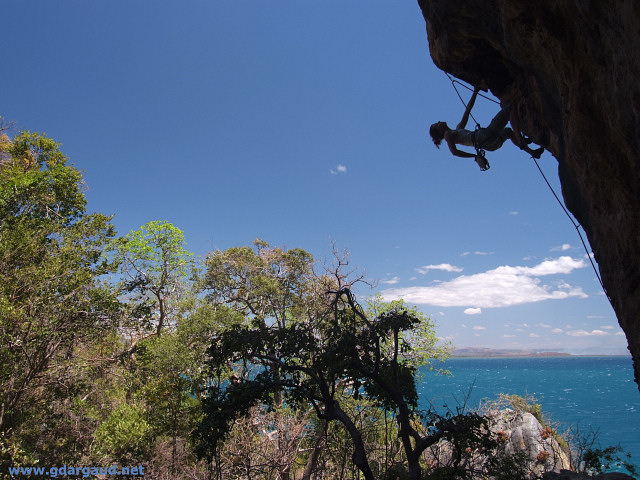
<point>585,391</point>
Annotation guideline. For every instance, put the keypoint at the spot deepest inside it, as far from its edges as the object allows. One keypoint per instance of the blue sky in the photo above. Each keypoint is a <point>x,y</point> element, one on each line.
<point>305,123</point>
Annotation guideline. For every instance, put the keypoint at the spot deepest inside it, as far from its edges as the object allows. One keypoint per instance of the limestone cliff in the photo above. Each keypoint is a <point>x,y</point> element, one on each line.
<point>572,69</point>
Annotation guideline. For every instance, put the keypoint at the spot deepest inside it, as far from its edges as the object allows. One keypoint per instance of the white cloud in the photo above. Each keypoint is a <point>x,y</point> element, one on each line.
<point>543,325</point>
<point>514,212</point>
<point>578,333</point>
<point>557,330</point>
<point>501,287</point>
<point>534,335</point>
<point>446,267</point>
<point>464,254</point>
<point>508,336</point>
<point>339,169</point>
<point>391,281</point>
<point>584,333</point>
<point>562,248</point>
<point>607,327</point>
<point>473,311</point>
<point>479,327</point>
<point>550,267</point>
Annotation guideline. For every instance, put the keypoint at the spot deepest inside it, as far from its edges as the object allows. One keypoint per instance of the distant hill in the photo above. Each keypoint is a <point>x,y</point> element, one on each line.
<point>501,352</point>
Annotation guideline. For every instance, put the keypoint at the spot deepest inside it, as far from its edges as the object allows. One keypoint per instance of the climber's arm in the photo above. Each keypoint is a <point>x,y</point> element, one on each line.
<point>450,138</point>
<point>467,111</point>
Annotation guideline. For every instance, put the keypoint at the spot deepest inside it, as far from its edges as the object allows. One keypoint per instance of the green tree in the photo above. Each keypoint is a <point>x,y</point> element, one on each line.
<point>174,380</point>
<point>123,435</point>
<point>319,362</point>
<point>309,344</point>
<point>154,265</point>
<point>268,286</point>
<point>165,380</point>
<point>51,298</point>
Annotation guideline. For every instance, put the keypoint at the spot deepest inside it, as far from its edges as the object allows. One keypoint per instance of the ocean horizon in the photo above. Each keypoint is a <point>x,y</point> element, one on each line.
<point>588,392</point>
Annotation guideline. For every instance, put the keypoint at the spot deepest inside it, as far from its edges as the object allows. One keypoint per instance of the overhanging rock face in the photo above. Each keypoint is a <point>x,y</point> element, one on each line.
<point>572,69</point>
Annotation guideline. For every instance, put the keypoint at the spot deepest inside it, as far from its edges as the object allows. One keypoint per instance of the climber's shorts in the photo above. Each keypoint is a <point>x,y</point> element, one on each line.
<point>493,136</point>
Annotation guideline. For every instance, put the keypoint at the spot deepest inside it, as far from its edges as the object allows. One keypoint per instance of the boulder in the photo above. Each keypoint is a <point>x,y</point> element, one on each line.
<point>523,433</point>
<point>533,447</point>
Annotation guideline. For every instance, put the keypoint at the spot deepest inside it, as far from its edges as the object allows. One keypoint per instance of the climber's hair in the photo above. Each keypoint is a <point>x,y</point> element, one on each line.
<point>436,135</point>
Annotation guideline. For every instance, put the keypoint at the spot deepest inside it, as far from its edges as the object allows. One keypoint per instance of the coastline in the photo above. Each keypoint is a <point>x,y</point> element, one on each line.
<point>475,352</point>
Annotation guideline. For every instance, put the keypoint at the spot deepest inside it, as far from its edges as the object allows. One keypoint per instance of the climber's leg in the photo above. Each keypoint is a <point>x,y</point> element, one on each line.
<point>517,138</point>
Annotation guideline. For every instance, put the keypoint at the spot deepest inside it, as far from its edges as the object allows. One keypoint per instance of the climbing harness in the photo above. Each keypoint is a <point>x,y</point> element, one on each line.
<point>480,158</point>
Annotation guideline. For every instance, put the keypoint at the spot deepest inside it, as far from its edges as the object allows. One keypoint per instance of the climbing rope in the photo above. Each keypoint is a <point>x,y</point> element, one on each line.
<point>577,227</point>
<point>453,83</point>
<point>483,160</point>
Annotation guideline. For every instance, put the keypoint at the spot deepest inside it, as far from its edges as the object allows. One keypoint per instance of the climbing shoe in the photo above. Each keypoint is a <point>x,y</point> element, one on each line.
<point>538,152</point>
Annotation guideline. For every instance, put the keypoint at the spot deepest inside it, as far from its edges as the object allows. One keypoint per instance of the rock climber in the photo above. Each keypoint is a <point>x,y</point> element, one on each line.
<point>490,138</point>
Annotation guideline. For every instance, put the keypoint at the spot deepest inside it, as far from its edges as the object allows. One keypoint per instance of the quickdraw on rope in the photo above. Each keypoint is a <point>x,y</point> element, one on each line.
<point>455,80</point>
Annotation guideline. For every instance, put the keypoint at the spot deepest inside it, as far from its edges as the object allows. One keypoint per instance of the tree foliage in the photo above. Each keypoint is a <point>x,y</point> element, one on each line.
<point>314,357</point>
<point>265,283</point>
<point>123,435</point>
<point>155,267</point>
<point>51,296</point>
